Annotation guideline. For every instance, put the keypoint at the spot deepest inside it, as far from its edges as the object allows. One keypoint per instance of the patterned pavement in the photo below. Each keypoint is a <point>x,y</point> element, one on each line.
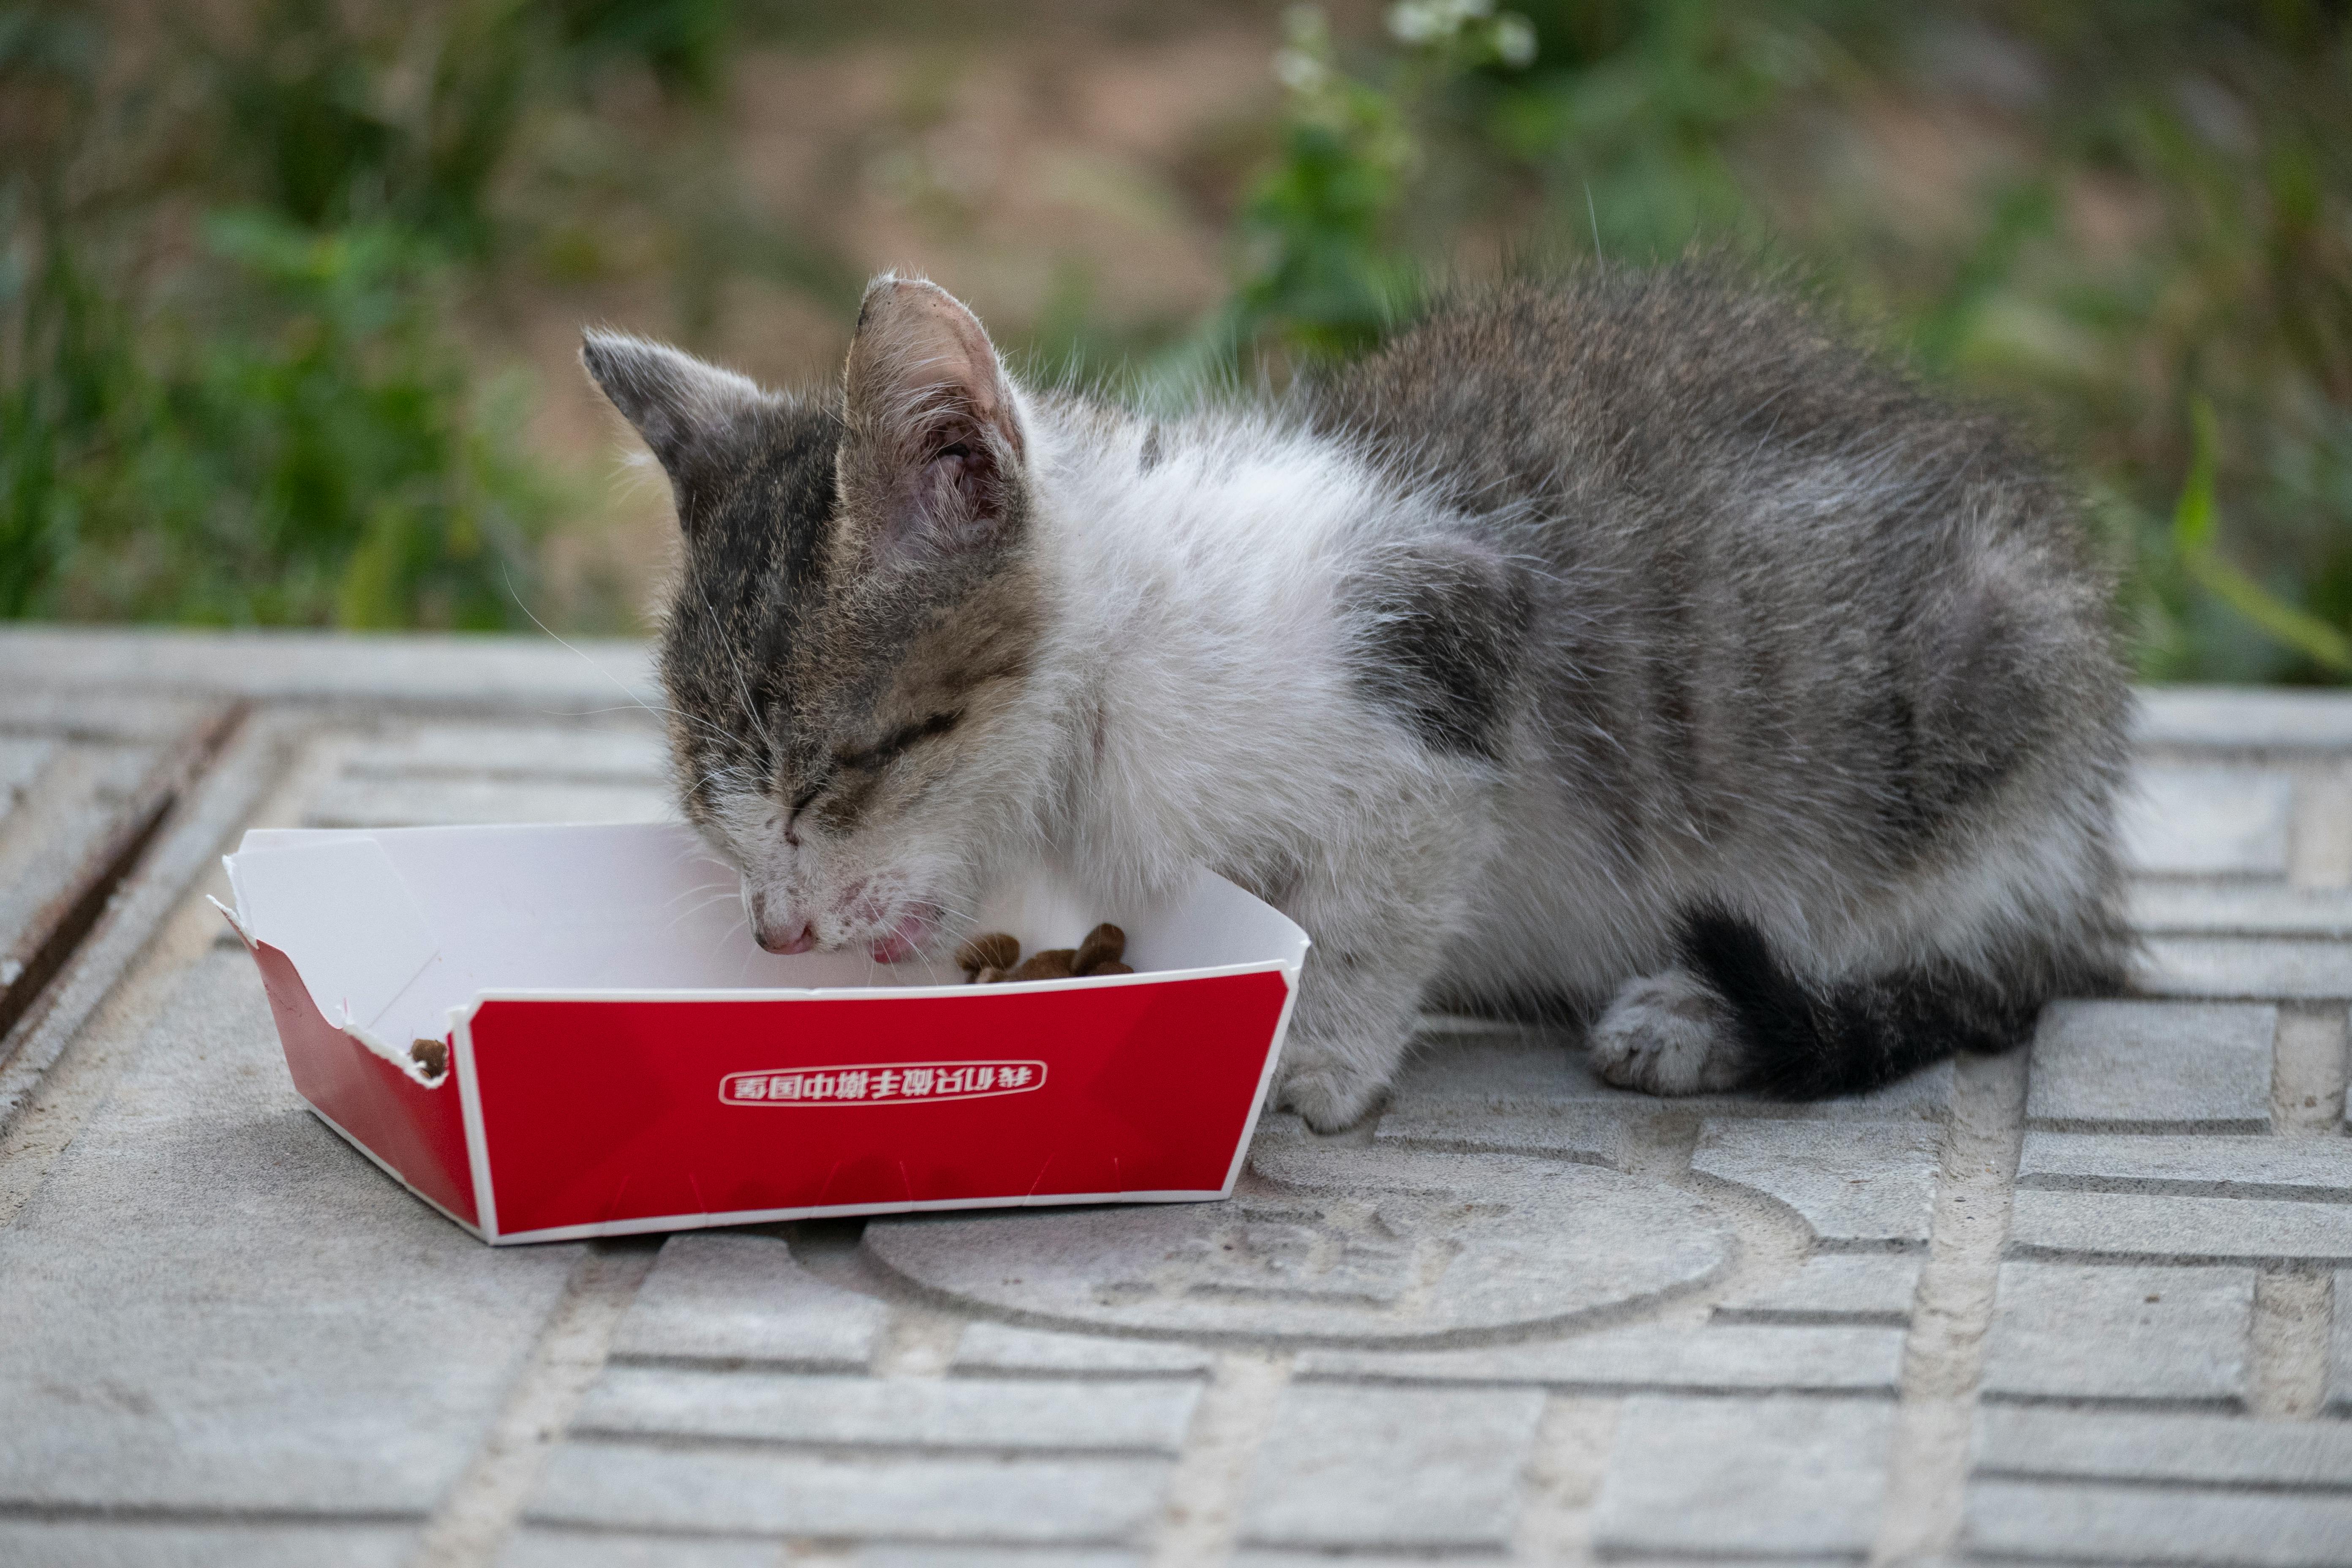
<point>2075,1305</point>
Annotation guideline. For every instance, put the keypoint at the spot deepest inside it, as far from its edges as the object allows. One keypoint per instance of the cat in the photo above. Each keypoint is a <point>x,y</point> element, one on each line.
<point>1622,646</point>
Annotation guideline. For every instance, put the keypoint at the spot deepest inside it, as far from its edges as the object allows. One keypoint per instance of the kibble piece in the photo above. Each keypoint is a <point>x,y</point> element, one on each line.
<point>1112,966</point>
<point>1104,944</point>
<point>1053,964</point>
<point>992,949</point>
<point>433,1056</point>
<point>991,975</point>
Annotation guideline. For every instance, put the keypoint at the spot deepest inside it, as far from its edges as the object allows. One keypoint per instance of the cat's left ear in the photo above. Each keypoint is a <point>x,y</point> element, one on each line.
<point>934,459</point>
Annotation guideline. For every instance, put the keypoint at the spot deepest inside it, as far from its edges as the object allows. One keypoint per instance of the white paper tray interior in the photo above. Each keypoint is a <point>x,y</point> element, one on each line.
<point>392,928</point>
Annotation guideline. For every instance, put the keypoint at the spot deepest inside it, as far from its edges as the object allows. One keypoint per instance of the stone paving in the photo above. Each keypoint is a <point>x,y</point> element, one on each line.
<point>2075,1305</point>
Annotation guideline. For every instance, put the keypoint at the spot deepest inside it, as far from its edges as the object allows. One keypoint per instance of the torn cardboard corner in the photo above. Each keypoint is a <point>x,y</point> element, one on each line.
<point>550,1032</point>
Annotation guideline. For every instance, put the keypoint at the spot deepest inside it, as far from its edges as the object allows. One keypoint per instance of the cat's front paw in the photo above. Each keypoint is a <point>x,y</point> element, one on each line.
<point>1330,1098</point>
<point>1668,1034</point>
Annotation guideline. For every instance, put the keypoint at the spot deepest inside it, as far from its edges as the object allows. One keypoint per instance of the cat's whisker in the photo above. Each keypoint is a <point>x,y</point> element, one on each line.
<point>691,911</point>
<point>618,683</point>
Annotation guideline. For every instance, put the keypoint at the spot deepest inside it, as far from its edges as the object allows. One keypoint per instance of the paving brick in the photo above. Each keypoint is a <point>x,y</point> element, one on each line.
<point>578,753</point>
<point>894,1556</point>
<point>2243,719</point>
<point>1331,1240</point>
<point>216,1303</point>
<point>545,1548</point>
<point>1852,1184</point>
<point>1471,1063</point>
<point>2194,1067</point>
<point>130,1544</point>
<point>1858,1287</point>
<point>438,802</point>
<point>2312,1169</point>
<point>54,826</point>
<point>2227,968</point>
<point>741,1297</point>
<point>996,1500</point>
<point>2080,1521</point>
<point>22,758</point>
<point>2069,1331</point>
<point>530,673</point>
<point>30,709</point>
<point>1720,1358</point>
<point>995,1348</point>
<point>2339,1347</point>
<point>530,1548</point>
<point>2207,822</point>
<point>1608,1134</point>
<point>2205,909</point>
<point>1392,1468</point>
<point>1465,1062</point>
<point>908,1413</point>
<point>2018,1442</point>
<point>1780,1476</point>
<point>2179,1229</point>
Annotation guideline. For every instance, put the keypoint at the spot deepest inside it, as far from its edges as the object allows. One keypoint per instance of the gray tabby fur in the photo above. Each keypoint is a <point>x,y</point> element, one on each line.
<point>1623,646</point>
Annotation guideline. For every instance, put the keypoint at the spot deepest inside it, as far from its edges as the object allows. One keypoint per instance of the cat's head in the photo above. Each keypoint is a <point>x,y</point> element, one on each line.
<point>855,621</point>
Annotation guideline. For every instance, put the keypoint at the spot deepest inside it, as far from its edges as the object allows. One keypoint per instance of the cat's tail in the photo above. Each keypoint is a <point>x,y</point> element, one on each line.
<point>1807,1041</point>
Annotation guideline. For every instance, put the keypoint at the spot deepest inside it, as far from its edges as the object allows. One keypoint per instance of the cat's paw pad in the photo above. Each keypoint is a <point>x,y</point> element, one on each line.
<point>1668,1034</point>
<point>1330,1099</point>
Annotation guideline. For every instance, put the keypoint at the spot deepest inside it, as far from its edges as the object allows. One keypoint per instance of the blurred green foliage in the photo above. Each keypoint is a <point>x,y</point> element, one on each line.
<point>245,252</point>
<point>233,272</point>
<point>322,458</point>
<point>2144,240</point>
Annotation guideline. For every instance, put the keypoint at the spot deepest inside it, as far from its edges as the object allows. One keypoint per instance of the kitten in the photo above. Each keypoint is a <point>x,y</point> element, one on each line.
<point>1625,645</point>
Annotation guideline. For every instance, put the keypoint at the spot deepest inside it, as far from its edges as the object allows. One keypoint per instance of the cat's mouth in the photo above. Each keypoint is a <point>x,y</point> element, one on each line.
<point>903,940</point>
<point>861,923</point>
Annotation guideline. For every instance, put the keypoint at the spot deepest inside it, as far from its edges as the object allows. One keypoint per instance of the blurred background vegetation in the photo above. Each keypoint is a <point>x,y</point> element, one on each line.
<point>288,291</point>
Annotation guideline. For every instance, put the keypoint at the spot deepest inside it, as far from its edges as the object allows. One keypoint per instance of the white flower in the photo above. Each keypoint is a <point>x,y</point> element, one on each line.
<point>1413,21</point>
<point>1419,22</point>
<point>1298,70</point>
<point>1515,40</point>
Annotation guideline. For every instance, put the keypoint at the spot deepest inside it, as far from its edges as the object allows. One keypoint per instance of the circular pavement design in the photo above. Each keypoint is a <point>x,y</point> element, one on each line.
<point>1331,1244</point>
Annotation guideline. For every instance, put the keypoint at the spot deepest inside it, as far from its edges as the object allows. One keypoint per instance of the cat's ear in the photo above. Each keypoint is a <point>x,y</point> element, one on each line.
<point>934,459</point>
<point>694,415</point>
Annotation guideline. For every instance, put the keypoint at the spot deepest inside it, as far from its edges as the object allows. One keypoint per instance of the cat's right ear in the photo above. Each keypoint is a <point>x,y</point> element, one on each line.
<point>693,415</point>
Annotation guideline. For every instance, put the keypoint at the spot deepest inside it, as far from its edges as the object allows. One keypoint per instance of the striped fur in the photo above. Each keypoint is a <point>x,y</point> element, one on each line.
<point>1624,645</point>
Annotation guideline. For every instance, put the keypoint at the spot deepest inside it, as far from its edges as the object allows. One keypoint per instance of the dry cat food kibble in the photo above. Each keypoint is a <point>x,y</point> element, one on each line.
<point>996,956</point>
<point>1053,964</point>
<point>995,950</point>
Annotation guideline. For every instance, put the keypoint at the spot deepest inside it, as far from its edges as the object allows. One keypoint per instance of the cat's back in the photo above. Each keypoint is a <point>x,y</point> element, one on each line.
<point>1765,560</point>
<point>1677,422</point>
<point>1679,390</point>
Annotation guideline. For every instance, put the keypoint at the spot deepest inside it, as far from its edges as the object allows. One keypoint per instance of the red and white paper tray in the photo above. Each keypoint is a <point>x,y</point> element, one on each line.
<point>549,1033</point>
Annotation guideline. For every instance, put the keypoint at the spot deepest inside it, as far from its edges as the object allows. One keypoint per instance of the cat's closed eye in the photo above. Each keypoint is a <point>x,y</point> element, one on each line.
<point>898,742</point>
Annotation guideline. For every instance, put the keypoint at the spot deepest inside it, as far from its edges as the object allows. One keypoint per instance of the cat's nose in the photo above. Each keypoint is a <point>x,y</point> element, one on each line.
<point>777,934</point>
<point>787,936</point>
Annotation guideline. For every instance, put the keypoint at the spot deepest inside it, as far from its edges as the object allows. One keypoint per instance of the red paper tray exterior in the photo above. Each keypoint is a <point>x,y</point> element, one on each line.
<point>596,1113</point>
<point>618,1114</point>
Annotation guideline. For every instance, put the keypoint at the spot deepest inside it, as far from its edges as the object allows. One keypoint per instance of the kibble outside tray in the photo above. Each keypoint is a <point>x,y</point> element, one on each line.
<point>549,1033</point>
